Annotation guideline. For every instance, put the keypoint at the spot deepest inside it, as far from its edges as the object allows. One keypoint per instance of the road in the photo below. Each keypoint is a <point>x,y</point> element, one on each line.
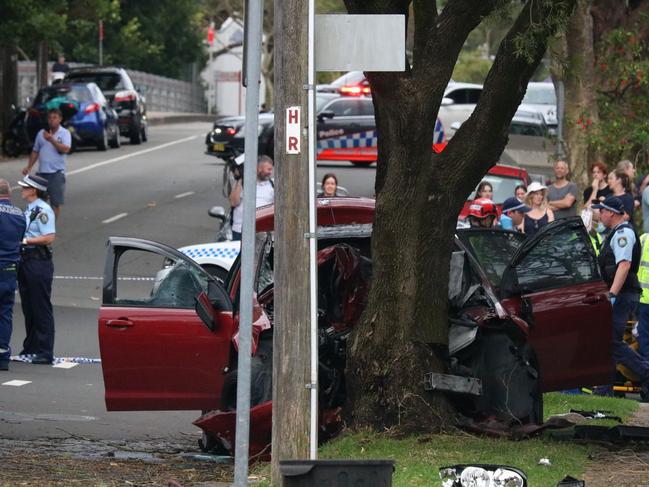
<point>161,191</point>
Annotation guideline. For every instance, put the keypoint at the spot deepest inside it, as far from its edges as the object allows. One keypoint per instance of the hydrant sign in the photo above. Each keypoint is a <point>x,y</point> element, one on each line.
<point>293,130</point>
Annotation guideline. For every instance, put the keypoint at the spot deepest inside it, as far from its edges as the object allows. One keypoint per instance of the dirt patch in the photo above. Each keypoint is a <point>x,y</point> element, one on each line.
<point>627,466</point>
<point>73,462</point>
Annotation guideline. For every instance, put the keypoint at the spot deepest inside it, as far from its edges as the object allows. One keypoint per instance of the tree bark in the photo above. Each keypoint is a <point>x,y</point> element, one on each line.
<point>403,332</point>
<point>41,64</point>
<point>581,111</point>
<point>8,85</point>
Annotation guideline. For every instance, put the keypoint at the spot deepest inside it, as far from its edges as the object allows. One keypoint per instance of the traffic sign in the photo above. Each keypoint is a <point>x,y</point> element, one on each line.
<point>293,130</point>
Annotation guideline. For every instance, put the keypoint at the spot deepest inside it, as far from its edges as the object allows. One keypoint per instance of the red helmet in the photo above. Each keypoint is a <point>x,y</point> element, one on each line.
<point>482,208</point>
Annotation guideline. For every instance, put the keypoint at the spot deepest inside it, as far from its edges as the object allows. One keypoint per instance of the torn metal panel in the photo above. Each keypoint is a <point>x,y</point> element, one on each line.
<point>460,337</point>
<point>452,383</point>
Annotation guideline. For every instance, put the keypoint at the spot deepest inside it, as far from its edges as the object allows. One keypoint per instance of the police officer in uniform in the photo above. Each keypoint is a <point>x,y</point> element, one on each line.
<point>36,271</point>
<point>619,260</point>
<point>12,229</point>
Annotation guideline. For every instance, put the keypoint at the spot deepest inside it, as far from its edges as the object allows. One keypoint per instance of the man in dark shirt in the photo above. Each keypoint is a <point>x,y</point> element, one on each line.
<point>60,66</point>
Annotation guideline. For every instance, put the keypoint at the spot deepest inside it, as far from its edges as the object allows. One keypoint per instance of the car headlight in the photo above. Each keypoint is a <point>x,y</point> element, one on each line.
<point>482,476</point>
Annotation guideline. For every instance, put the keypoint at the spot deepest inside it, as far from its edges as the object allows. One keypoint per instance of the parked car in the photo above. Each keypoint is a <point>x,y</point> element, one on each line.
<point>534,312</point>
<point>346,131</point>
<point>541,98</point>
<point>120,91</point>
<point>86,113</point>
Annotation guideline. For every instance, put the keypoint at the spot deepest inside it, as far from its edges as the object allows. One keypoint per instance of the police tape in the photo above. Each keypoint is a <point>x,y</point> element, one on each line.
<point>28,358</point>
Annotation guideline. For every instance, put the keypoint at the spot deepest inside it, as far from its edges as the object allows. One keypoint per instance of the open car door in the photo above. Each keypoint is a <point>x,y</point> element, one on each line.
<point>554,284</point>
<point>163,347</point>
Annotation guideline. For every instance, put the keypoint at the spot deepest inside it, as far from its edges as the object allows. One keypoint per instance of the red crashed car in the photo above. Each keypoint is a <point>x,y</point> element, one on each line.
<point>504,179</point>
<point>525,317</point>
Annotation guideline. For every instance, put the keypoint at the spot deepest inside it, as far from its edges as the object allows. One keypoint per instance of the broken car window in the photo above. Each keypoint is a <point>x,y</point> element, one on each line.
<point>493,249</point>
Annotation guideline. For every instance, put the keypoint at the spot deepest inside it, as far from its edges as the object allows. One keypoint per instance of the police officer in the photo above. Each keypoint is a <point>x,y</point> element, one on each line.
<point>12,229</point>
<point>643,308</point>
<point>36,271</point>
<point>619,260</point>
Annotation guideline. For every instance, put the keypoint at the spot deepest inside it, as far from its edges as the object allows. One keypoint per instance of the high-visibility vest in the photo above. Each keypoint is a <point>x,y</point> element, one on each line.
<point>596,241</point>
<point>643,270</point>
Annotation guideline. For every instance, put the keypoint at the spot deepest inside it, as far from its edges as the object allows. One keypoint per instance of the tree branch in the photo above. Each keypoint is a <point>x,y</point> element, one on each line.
<point>482,138</point>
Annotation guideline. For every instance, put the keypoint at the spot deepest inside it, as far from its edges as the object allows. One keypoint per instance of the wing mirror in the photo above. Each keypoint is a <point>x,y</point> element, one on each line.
<point>447,101</point>
<point>205,311</point>
<point>456,126</point>
<point>218,212</point>
<point>482,475</point>
<point>326,114</point>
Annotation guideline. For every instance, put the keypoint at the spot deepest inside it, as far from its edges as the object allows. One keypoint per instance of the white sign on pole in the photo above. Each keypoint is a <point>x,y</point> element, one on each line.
<point>293,130</point>
<point>360,42</point>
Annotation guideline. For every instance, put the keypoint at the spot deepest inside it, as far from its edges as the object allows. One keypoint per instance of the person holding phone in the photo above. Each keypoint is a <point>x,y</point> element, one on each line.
<point>50,148</point>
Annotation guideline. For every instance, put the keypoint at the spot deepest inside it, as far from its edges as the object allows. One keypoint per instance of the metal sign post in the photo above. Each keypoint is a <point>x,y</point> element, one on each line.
<point>340,43</point>
<point>252,45</point>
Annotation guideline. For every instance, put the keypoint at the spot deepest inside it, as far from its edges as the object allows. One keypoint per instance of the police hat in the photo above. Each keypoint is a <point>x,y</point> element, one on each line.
<point>33,181</point>
<point>514,204</point>
<point>611,203</point>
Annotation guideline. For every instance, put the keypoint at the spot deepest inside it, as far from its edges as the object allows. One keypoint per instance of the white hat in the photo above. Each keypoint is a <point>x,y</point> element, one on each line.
<point>535,187</point>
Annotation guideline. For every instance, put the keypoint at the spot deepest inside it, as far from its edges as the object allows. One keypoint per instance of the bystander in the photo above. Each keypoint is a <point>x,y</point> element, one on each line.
<point>562,194</point>
<point>265,193</point>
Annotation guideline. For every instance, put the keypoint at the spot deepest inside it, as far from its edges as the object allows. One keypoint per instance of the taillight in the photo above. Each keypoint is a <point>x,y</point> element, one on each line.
<point>93,107</point>
<point>231,131</point>
<point>126,95</point>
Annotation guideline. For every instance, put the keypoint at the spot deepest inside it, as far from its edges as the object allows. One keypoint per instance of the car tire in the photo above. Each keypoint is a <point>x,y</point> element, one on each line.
<point>216,271</point>
<point>115,142</point>
<point>102,142</point>
<point>136,135</point>
<point>505,367</point>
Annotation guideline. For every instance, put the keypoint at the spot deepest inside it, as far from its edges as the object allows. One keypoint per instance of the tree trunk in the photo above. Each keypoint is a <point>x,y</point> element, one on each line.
<point>41,64</point>
<point>403,332</point>
<point>581,111</point>
<point>8,85</point>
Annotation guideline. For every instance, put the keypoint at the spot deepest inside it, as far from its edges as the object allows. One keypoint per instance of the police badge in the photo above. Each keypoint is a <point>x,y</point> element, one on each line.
<point>43,218</point>
<point>621,241</point>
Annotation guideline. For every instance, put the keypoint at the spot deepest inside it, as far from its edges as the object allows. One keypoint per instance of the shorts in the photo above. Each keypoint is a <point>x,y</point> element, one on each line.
<point>55,186</point>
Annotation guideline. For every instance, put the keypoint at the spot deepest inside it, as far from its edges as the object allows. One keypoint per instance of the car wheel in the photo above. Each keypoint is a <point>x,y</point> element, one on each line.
<point>136,136</point>
<point>102,142</point>
<point>115,142</point>
<point>11,147</point>
<point>216,271</point>
<point>510,379</point>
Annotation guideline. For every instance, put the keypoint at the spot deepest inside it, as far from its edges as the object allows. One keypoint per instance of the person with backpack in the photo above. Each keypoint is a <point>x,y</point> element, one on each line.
<point>265,193</point>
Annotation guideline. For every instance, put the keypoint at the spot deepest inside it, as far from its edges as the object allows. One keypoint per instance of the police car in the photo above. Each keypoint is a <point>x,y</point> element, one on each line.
<point>215,257</point>
<point>346,131</point>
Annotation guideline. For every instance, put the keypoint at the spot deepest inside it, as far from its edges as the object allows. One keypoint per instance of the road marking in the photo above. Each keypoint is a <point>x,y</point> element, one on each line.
<point>125,156</point>
<point>16,383</point>
<point>65,365</point>
<point>183,195</point>
<point>115,218</point>
<point>96,278</point>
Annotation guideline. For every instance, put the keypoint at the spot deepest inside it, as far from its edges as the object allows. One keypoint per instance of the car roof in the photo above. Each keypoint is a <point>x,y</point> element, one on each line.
<point>331,211</point>
<point>96,69</point>
<point>63,86</point>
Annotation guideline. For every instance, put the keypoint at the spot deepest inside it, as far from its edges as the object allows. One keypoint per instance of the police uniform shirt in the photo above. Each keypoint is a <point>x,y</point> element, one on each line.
<point>622,244</point>
<point>12,230</point>
<point>42,223</point>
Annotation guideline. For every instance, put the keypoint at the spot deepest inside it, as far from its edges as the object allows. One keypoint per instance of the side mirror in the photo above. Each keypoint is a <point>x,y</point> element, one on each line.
<point>326,114</point>
<point>456,126</point>
<point>205,311</point>
<point>447,101</point>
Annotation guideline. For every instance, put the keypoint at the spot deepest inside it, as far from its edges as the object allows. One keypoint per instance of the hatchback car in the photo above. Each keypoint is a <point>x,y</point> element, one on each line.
<point>120,91</point>
<point>534,311</point>
<point>86,113</point>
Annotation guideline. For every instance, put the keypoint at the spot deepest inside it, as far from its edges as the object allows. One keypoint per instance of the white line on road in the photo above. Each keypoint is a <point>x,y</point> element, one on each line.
<point>183,195</point>
<point>16,383</point>
<point>115,218</point>
<point>125,156</point>
<point>128,156</point>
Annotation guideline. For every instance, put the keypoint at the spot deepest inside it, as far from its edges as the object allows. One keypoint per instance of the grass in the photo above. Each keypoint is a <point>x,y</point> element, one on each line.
<point>418,458</point>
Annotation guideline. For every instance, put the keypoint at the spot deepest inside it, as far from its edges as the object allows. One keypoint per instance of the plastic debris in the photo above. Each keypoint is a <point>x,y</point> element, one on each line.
<point>545,461</point>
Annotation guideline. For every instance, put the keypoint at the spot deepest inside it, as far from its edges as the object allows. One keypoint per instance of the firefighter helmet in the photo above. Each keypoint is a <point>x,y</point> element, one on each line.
<point>482,208</point>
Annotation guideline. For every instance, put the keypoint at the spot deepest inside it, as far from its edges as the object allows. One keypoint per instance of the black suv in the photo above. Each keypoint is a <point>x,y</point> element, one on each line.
<point>117,86</point>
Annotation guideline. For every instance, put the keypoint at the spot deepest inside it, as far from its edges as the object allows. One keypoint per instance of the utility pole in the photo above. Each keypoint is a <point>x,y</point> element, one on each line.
<point>41,64</point>
<point>291,336</point>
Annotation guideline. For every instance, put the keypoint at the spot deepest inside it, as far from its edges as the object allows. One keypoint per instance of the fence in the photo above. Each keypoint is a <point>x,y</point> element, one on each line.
<point>162,94</point>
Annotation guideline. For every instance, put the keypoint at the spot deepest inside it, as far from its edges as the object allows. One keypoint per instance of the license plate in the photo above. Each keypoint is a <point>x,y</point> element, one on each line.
<point>218,147</point>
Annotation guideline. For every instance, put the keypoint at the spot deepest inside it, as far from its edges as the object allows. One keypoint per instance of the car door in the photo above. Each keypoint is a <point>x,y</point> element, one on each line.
<point>156,352</point>
<point>554,283</point>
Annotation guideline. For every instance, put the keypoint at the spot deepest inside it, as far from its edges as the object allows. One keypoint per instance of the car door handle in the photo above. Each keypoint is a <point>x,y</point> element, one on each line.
<point>592,299</point>
<point>120,323</point>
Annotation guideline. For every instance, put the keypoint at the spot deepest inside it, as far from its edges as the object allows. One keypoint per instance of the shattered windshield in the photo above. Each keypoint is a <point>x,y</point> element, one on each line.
<point>493,249</point>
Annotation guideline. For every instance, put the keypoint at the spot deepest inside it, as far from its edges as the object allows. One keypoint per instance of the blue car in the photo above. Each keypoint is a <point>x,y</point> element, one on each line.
<point>86,114</point>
